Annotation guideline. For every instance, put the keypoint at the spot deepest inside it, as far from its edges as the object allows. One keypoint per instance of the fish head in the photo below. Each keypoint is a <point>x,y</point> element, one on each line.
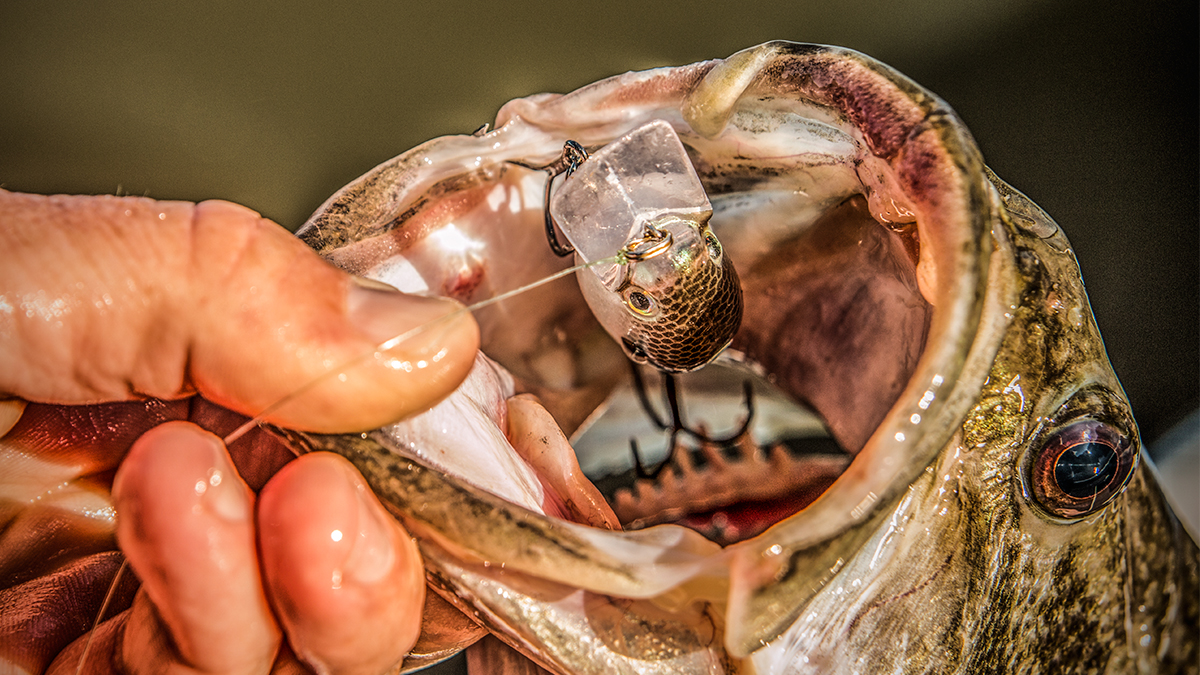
<point>993,508</point>
<point>1036,538</point>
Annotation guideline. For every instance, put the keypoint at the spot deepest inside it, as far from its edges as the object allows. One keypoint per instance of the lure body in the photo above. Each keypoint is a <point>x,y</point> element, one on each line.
<point>658,280</point>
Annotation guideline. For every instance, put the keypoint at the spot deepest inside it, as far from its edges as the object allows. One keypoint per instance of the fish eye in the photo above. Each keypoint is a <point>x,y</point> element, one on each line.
<point>640,303</point>
<point>1081,468</point>
<point>714,246</point>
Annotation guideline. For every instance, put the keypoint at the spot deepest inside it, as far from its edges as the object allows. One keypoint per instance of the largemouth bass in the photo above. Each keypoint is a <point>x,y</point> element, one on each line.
<point>998,513</point>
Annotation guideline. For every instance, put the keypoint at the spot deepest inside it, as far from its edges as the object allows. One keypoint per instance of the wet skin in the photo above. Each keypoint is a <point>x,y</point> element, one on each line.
<point>118,311</point>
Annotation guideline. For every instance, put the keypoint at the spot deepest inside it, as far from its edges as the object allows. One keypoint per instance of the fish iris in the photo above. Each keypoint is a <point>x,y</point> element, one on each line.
<point>1083,466</point>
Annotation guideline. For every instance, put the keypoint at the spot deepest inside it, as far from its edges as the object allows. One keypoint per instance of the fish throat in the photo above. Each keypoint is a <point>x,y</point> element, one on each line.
<point>835,327</point>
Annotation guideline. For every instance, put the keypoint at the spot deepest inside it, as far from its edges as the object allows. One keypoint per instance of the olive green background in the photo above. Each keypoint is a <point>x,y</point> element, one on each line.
<point>1090,108</point>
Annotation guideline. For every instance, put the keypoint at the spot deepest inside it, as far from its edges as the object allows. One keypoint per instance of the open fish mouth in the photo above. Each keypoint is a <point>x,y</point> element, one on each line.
<point>862,224</point>
<point>746,466</point>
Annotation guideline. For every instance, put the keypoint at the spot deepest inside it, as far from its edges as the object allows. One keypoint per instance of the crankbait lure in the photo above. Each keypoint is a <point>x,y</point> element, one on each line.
<point>671,298</point>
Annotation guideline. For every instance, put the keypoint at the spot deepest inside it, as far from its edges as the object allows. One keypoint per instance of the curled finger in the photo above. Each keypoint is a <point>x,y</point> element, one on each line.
<point>345,579</point>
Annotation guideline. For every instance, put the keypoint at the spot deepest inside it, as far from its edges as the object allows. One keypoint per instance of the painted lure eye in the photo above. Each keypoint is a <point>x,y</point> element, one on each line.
<point>1081,469</point>
<point>640,303</point>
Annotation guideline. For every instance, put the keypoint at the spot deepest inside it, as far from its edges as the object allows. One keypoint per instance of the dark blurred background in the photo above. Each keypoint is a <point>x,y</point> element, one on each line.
<point>1090,108</point>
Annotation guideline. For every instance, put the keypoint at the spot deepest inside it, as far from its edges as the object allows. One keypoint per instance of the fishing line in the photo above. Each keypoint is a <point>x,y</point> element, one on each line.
<point>112,589</point>
<point>391,343</point>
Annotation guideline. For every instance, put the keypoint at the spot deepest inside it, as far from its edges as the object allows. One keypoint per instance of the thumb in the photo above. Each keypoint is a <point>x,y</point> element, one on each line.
<point>107,298</point>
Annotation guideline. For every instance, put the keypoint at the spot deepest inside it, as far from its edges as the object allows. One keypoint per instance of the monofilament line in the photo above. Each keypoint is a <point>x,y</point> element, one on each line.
<point>393,342</point>
<point>112,589</point>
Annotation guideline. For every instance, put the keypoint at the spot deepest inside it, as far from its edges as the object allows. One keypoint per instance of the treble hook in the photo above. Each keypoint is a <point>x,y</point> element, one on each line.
<point>640,466</point>
<point>573,155</point>
<point>676,424</point>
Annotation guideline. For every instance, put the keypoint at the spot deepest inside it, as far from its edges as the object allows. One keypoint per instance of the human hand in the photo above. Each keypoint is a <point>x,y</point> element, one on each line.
<point>121,299</point>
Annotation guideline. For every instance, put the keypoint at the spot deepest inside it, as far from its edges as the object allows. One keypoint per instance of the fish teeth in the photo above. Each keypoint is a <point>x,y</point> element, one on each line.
<point>739,473</point>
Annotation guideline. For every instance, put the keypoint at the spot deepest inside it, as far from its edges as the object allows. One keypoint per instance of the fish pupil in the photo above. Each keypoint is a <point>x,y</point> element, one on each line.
<point>1084,469</point>
<point>639,301</point>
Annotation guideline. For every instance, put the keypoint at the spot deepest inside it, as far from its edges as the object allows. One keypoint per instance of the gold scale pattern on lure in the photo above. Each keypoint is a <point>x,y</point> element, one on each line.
<point>711,296</point>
